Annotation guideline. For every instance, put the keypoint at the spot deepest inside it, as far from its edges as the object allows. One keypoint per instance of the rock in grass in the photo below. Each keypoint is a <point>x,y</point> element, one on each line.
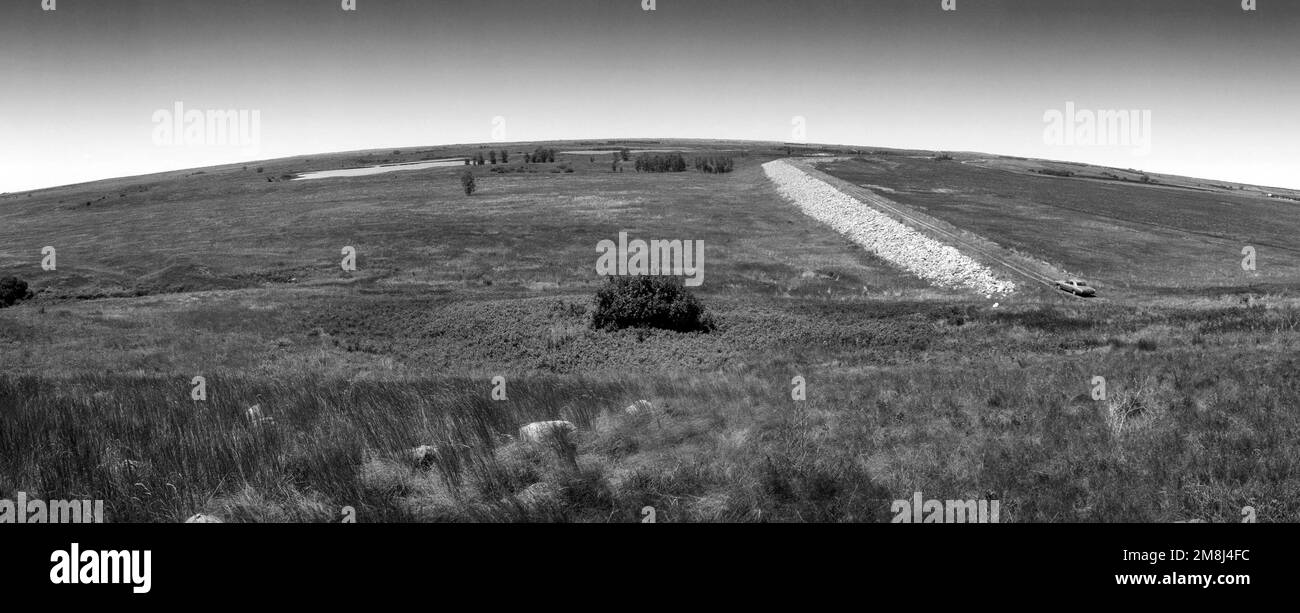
<point>639,407</point>
<point>540,495</point>
<point>424,456</point>
<point>542,431</point>
<point>204,518</point>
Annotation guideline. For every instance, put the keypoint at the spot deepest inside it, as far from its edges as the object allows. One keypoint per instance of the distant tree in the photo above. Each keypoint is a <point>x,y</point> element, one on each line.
<point>467,161</point>
<point>493,156</point>
<point>625,154</point>
<point>505,156</point>
<point>467,182</point>
<point>528,158</point>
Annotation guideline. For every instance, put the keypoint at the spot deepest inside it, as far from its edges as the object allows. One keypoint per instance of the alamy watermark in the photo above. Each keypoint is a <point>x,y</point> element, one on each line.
<point>656,257</point>
<point>1100,128</point>
<point>109,566</point>
<point>498,129</point>
<point>178,126</point>
<point>37,511</point>
<point>921,511</point>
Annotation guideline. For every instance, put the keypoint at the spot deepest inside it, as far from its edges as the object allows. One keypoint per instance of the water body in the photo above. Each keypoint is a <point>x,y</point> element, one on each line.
<point>382,168</point>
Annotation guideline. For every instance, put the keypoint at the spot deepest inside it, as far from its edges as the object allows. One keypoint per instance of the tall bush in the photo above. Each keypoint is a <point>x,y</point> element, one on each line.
<point>649,302</point>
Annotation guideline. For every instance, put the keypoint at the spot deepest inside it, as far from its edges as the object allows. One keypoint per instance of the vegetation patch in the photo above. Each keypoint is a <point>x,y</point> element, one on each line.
<point>649,302</point>
<point>12,290</point>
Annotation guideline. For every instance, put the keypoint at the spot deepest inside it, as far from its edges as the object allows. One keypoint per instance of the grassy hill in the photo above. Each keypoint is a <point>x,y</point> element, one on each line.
<point>1165,236</point>
<point>222,273</point>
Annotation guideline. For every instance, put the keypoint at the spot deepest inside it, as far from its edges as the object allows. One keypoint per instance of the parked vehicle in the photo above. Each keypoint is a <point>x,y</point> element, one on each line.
<point>1077,287</point>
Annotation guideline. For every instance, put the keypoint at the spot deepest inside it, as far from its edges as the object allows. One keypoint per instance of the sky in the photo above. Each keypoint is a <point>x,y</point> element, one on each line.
<point>81,86</point>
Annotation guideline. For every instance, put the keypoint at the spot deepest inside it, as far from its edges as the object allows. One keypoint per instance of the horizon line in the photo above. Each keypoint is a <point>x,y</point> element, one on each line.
<point>481,144</point>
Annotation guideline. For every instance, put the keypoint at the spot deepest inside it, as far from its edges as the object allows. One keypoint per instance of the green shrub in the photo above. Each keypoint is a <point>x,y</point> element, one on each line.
<point>13,289</point>
<point>649,302</point>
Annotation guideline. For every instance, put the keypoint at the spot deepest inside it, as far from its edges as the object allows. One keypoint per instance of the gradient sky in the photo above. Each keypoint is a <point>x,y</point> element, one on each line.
<point>79,85</point>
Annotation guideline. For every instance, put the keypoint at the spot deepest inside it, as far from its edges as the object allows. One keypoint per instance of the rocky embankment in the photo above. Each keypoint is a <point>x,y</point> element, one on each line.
<point>940,264</point>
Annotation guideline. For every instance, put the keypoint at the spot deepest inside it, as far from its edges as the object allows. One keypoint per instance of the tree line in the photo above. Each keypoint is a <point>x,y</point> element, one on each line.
<point>676,163</point>
<point>660,163</point>
<point>478,160</point>
<point>540,156</point>
<point>714,165</point>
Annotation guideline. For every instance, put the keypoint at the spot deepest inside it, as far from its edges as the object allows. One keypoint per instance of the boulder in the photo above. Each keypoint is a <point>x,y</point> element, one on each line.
<point>424,456</point>
<point>540,495</point>
<point>639,407</point>
<point>541,431</point>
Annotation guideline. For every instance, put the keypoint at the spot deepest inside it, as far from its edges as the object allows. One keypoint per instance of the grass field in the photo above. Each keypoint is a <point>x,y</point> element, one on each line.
<point>220,273</point>
<point>1135,239</point>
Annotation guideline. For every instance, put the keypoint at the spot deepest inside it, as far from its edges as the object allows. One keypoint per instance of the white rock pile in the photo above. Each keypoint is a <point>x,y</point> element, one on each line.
<point>940,264</point>
<point>543,431</point>
<point>639,407</point>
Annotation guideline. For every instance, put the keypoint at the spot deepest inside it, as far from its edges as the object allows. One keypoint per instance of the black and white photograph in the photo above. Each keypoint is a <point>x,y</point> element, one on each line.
<point>430,265</point>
